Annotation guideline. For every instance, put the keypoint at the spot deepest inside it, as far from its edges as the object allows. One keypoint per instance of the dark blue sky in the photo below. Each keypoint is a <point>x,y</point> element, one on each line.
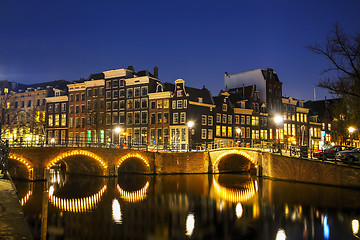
<point>195,40</point>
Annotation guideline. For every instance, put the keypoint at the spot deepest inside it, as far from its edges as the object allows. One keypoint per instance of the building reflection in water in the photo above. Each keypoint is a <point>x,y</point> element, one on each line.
<point>189,206</point>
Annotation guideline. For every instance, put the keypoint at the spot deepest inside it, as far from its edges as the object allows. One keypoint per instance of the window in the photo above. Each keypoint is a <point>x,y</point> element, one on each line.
<point>224,107</point>
<point>137,103</point>
<point>57,120</point>
<point>121,117</point>
<point>88,105</point>
<point>108,84</point>
<point>63,119</point>
<point>144,103</point>
<point>130,104</point>
<point>152,105</point>
<point>203,133</point>
<point>108,105</point>
<point>175,118</point>
<point>115,118</point>
<point>159,104</point>
<point>203,119</point>
<point>71,97</point>
<point>229,119</point>
<point>108,118</point>
<point>102,91</point>
<point>185,103</point>
<point>137,92</point>
<point>179,93</point>
<point>223,131</point>
<point>159,117</point>
<point>122,104</point>
<point>108,94</point>
<point>83,97</point>
<point>89,93</point>
<point>63,107</point>
<point>121,83</point>
<point>50,108</point>
<point>247,132</point>
<point>224,118</point>
<point>95,92</point>
<point>51,120</point>
<point>166,103</point>
<point>218,131</point>
<point>218,118</point>
<point>152,118</point>
<point>248,120</point>
<point>82,108</point>
<point>174,104</point>
<point>179,104</point>
<point>166,117</point>
<point>29,103</point>
<point>242,119</point>
<point>130,92</point>
<point>115,83</point>
<point>210,134</point>
<point>129,118</point>
<point>144,91</point>
<point>183,117</point>
<point>70,122</point>
<point>200,100</point>
<point>115,105</point>
<point>115,94</point>
<point>122,93</point>
<point>210,120</point>
<point>77,97</point>
<point>77,109</point>
<point>144,117</point>
<point>137,117</point>
<point>229,131</point>
<point>242,132</point>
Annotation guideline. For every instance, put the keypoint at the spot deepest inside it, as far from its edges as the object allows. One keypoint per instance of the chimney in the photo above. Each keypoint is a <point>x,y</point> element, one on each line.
<point>156,72</point>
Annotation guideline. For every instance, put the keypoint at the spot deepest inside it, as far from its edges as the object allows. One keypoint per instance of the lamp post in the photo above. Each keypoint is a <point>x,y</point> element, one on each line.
<point>117,130</point>
<point>190,125</point>
<point>238,131</point>
<point>351,131</point>
<point>278,120</point>
<point>52,141</point>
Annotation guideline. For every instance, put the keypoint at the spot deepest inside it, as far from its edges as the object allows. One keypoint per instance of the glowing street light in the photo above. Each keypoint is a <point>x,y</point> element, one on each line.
<point>190,125</point>
<point>351,131</point>
<point>238,131</point>
<point>278,120</point>
<point>52,141</point>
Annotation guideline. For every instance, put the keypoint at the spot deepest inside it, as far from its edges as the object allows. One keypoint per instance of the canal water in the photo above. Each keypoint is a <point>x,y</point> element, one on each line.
<point>201,206</point>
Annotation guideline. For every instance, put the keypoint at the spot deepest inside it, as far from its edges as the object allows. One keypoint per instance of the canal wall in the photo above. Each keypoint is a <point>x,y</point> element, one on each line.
<point>309,171</point>
<point>12,221</point>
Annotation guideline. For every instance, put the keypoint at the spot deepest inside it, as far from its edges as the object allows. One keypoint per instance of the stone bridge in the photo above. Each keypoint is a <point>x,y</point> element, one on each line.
<point>35,163</point>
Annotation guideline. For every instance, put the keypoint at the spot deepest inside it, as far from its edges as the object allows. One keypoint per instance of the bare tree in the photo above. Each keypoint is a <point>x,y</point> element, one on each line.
<point>342,77</point>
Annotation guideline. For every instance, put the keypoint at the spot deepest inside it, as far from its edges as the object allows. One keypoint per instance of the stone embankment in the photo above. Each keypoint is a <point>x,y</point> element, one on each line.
<point>12,221</point>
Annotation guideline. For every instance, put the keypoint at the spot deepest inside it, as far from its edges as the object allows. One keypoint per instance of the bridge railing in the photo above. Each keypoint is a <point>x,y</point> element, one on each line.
<point>270,146</point>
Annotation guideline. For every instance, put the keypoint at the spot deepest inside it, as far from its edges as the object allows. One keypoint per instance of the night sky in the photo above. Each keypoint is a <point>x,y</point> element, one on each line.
<point>195,40</point>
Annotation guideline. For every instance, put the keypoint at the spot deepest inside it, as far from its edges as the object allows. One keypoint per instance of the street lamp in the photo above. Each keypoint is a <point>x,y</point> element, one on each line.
<point>351,131</point>
<point>190,125</point>
<point>238,131</point>
<point>52,141</point>
<point>278,120</point>
<point>117,130</point>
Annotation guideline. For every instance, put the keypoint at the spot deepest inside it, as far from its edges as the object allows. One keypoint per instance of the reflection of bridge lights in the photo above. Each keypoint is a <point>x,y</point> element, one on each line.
<point>51,190</point>
<point>134,196</point>
<point>132,155</point>
<point>74,153</point>
<point>240,195</point>
<point>190,224</point>
<point>26,198</point>
<point>355,226</point>
<point>116,211</point>
<point>239,210</point>
<point>77,204</point>
<point>280,235</point>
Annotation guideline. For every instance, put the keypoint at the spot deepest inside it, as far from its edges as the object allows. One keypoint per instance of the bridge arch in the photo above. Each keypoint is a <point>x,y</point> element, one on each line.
<point>78,152</point>
<point>24,162</point>
<point>136,156</point>
<point>229,153</point>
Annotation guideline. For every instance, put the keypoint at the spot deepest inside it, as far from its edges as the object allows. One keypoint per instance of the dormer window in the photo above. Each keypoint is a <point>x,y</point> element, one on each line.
<point>200,100</point>
<point>179,93</point>
<point>224,107</point>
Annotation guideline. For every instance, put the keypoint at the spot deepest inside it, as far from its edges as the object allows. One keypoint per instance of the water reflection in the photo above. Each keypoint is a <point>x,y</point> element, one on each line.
<point>225,206</point>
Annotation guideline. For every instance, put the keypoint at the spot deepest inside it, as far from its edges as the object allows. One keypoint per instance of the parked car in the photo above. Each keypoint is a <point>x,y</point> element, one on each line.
<point>330,152</point>
<point>349,156</point>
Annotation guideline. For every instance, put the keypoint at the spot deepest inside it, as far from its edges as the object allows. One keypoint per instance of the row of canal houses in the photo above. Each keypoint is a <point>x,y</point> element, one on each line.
<point>126,108</point>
